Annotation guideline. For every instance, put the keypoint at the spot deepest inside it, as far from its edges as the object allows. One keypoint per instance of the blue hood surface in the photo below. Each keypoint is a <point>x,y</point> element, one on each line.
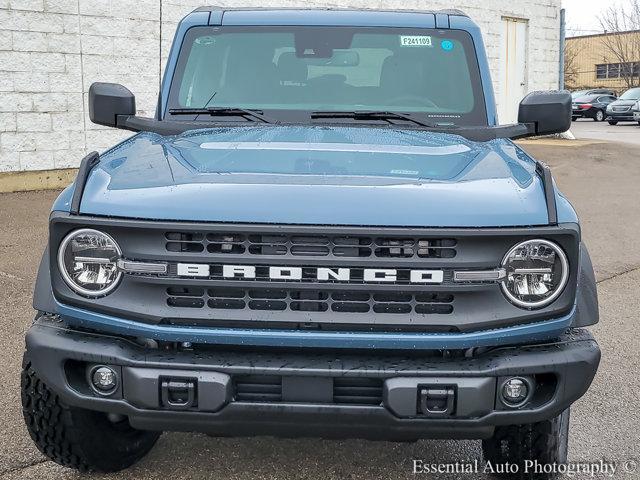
<point>318,175</point>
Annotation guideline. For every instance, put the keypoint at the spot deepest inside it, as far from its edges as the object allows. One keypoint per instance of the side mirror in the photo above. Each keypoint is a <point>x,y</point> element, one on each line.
<point>550,112</point>
<point>108,101</point>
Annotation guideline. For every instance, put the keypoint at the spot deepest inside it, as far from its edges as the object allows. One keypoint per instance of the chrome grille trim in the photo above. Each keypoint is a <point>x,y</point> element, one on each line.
<point>215,272</point>
<point>480,275</point>
<point>129,266</point>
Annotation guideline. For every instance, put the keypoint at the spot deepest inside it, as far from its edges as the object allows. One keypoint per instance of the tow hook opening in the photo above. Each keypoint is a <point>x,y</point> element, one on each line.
<point>436,402</point>
<point>178,394</point>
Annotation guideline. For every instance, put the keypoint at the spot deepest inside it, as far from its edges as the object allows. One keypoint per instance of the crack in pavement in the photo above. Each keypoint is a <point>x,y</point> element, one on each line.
<point>616,275</point>
<point>11,276</point>
<point>23,467</point>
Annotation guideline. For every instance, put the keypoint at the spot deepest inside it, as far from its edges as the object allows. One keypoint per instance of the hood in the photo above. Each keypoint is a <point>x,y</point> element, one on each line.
<point>623,103</point>
<point>318,175</point>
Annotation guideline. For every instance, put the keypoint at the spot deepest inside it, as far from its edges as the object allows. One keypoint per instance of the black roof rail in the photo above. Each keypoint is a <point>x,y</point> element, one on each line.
<point>217,8</point>
<point>87,163</point>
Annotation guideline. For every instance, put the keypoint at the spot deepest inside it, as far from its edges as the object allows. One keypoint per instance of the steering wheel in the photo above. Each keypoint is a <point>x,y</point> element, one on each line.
<point>412,100</point>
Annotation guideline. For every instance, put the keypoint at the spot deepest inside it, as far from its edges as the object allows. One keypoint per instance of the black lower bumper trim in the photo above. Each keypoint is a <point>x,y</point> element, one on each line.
<point>620,117</point>
<point>314,394</point>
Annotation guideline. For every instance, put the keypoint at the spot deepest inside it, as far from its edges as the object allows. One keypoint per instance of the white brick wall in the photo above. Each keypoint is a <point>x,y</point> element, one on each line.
<point>52,50</point>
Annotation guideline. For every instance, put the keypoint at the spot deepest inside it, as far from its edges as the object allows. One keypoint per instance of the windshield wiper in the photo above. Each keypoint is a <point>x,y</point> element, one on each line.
<point>373,115</point>
<point>224,112</point>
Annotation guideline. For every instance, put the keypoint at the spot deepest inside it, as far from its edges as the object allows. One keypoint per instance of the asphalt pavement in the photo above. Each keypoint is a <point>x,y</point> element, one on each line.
<point>625,132</point>
<point>601,179</point>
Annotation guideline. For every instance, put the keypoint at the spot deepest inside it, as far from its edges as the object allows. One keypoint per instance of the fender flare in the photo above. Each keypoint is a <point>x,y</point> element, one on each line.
<point>587,312</point>
<point>43,300</point>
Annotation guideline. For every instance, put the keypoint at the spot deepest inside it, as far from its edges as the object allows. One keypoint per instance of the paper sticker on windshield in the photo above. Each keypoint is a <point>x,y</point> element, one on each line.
<point>415,41</point>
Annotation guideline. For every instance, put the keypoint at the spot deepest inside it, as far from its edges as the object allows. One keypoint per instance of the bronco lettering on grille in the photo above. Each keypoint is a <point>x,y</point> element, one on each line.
<point>321,274</point>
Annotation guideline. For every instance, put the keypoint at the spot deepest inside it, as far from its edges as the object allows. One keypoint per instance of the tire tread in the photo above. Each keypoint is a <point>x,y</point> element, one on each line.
<point>71,437</point>
<point>542,441</point>
<point>48,422</point>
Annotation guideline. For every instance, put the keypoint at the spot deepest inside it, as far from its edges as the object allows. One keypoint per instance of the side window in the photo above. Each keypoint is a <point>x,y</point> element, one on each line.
<point>614,70</point>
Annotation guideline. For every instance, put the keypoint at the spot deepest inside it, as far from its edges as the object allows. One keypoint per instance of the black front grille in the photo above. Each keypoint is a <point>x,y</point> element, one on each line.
<point>310,245</point>
<point>262,299</point>
<point>357,390</point>
<point>313,299</point>
<point>258,388</point>
<point>342,390</point>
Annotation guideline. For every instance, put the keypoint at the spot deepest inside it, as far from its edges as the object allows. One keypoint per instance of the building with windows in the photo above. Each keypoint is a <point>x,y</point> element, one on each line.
<point>52,50</point>
<point>607,60</point>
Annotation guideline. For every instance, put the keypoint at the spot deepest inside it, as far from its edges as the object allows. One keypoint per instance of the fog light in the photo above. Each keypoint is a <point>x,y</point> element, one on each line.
<point>515,391</point>
<point>104,379</point>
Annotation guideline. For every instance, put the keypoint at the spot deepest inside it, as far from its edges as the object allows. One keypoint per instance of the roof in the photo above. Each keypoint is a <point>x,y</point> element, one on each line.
<point>603,34</point>
<point>334,17</point>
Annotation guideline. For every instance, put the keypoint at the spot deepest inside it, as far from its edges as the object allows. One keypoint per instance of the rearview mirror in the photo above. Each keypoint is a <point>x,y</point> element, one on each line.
<point>550,112</point>
<point>108,101</point>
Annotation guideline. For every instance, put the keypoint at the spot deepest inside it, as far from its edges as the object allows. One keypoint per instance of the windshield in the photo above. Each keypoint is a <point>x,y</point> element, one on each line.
<point>432,74</point>
<point>633,94</point>
<point>578,94</point>
<point>587,98</point>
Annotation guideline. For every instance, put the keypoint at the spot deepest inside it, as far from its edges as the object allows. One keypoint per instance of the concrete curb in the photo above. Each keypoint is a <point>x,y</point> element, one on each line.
<point>36,180</point>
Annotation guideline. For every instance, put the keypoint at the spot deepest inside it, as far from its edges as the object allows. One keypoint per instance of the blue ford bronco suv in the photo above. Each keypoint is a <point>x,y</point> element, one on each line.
<point>323,231</point>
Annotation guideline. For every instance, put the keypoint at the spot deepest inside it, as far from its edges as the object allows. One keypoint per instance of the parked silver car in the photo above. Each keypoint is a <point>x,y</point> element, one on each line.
<point>622,109</point>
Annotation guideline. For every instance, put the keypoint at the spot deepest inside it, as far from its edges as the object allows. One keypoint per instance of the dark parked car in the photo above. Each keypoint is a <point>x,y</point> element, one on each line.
<point>591,106</point>
<point>600,91</point>
<point>622,109</point>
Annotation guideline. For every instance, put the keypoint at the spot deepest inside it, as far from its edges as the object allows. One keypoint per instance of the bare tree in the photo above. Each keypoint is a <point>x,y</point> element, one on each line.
<point>572,52</point>
<point>623,47</point>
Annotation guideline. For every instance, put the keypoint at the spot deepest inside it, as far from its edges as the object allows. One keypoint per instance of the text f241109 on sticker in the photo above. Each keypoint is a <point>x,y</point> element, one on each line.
<point>415,41</point>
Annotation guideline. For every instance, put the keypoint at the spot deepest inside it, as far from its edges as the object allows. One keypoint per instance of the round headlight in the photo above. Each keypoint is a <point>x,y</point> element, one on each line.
<point>88,262</point>
<point>536,273</point>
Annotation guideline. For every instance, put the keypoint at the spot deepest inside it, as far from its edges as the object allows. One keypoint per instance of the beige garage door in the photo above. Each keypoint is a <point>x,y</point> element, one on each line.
<point>513,67</point>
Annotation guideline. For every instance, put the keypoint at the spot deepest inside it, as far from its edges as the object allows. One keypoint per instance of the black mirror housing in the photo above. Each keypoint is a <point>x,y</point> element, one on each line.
<point>108,101</point>
<point>550,112</point>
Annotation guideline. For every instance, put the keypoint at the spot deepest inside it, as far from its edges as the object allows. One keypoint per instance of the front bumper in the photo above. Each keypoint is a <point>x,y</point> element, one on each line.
<point>620,116</point>
<point>321,394</point>
<point>265,337</point>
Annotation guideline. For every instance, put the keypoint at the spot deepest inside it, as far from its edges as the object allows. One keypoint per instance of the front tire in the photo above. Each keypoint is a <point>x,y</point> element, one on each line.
<point>573,119</point>
<point>599,116</point>
<point>75,437</point>
<point>543,442</point>
<point>612,122</point>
